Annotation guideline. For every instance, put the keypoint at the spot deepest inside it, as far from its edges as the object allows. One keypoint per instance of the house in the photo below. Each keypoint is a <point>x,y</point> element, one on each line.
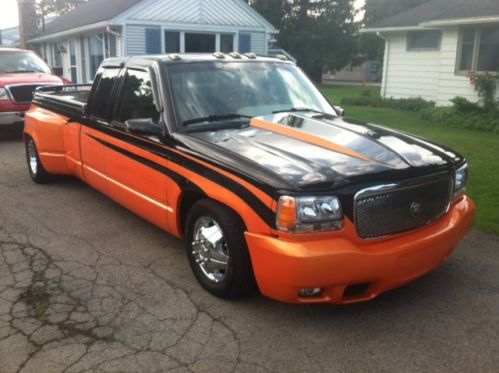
<point>9,36</point>
<point>430,48</point>
<point>76,43</point>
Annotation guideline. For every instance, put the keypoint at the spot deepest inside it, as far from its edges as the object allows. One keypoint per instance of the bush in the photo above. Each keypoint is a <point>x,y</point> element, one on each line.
<point>366,98</point>
<point>485,86</point>
<point>464,106</point>
<point>450,116</point>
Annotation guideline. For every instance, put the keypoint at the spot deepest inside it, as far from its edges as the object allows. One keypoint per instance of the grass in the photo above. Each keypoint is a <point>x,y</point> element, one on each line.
<point>480,148</point>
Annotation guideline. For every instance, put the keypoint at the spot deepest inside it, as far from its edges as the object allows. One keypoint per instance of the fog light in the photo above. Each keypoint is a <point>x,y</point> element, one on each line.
<point>310,292</point>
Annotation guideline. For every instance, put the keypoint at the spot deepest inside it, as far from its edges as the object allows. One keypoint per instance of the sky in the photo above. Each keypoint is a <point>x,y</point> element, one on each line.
<point>9,17</point>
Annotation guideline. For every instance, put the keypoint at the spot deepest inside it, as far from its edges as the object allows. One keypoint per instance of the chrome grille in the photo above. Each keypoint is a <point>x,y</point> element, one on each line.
<point>22,93</point>
<point>398,208</point>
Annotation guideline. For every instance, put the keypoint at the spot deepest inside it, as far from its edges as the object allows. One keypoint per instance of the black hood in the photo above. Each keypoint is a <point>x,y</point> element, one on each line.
<point>316,152</point>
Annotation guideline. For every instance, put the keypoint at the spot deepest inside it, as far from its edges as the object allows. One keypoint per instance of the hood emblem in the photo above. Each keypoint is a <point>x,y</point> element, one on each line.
<point>416,209</point>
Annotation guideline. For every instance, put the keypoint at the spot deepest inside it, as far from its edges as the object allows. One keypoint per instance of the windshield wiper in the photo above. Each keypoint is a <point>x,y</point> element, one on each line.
<point>293,109</point>
<point>214,118</point>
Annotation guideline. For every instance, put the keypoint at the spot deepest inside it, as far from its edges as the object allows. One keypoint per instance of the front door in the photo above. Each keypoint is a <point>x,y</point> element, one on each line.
<point>133,182</point>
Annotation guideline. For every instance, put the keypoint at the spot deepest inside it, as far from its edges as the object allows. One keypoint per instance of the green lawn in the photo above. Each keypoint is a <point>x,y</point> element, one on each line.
<point>480,148</point>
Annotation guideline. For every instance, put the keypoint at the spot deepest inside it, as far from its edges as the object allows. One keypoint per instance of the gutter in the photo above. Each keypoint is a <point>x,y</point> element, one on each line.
<point>435,24</point>
<point>78,30</point>
<point>461,21</point>
<point>391,29</point>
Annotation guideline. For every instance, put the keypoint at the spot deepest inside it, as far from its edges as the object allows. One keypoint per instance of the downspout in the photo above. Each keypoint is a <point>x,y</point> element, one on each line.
<point>385,64</point>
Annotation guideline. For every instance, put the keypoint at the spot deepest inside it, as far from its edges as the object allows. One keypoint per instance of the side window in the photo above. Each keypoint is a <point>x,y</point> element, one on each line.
<point>103,92</point>
<point>137,100</point>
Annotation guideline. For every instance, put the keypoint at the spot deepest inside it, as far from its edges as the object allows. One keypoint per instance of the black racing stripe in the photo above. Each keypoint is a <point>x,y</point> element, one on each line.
<point>265,213</point>
<point>165,151</point>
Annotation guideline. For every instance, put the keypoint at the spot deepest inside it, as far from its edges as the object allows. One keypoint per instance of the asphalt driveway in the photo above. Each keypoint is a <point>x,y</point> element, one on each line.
<point>86,286</point>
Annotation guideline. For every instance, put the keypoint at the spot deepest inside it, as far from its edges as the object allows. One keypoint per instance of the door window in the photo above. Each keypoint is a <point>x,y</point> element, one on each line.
<point>104,84</point>
<point>137,100</point>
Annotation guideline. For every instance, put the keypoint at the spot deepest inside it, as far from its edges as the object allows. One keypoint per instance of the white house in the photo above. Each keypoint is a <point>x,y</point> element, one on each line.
<point>429,48</point>
<point>76,43</point>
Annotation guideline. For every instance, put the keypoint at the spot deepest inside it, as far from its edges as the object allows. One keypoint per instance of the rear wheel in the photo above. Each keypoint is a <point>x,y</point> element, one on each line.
<point>35,167</point>
<point>217,250</point>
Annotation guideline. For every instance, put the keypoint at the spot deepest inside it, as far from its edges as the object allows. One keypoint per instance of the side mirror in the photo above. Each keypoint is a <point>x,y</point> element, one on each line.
<point>143,127</point>
<point>341,112</point>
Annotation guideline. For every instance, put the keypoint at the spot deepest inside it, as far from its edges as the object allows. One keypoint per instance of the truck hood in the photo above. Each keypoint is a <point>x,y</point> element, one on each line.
<point>28,78</point>
<point>311,151</point>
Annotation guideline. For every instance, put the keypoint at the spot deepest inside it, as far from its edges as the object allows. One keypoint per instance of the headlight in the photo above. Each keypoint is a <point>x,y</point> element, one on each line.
<point>3,94</point>
<point>309,214</point>
<point>460,181</point>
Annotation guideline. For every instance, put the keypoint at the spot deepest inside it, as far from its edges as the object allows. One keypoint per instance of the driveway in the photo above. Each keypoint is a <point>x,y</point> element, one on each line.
<point>86,286</point>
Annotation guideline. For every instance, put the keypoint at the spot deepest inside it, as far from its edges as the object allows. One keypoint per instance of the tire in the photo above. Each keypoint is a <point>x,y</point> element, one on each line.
<point>209,219</point>
<point>35,167</point>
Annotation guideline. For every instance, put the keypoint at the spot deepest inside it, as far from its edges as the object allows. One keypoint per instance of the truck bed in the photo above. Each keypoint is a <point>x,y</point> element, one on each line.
<point>68,100</point>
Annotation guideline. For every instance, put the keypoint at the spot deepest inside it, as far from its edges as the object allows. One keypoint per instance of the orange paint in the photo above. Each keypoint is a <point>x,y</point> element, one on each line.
<point>297,134</point>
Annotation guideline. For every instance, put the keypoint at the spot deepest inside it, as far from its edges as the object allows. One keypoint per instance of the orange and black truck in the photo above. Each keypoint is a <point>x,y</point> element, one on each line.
<point>270,186</point>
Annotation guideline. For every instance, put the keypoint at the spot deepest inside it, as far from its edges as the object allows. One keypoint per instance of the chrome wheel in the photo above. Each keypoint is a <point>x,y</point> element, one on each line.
<point>209,248</point>
<point>32,157</point>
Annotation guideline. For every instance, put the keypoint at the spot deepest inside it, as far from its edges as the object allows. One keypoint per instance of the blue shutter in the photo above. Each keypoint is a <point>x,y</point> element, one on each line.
<point>244,42</point>
<point>153,40</point>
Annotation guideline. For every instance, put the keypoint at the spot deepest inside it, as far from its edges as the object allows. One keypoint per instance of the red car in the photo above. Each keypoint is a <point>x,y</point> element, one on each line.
<point>21,72</point>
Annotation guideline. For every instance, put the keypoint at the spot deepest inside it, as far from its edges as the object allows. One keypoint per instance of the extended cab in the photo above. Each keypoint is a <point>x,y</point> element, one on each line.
<point>244,158</point>
<point>21,72</point>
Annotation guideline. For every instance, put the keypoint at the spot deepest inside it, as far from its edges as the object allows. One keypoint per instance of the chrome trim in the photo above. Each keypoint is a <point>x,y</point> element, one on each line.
<point>403,185</point>
<point>9,118</point>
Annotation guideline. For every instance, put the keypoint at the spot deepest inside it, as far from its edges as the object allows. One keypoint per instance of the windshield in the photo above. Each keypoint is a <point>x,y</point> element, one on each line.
<point>22,62</point>
<point>249,89</point>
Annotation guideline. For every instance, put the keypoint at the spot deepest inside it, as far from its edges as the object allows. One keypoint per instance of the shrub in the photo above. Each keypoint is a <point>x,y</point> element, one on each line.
<point>485,85</point>
<point>450,116</point>
<point>366,98</point>
<point>464,106</point>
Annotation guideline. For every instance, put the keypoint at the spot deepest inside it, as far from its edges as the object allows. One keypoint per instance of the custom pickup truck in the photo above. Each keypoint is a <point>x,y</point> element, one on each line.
<point>266,181</point>
<point>21,72</point>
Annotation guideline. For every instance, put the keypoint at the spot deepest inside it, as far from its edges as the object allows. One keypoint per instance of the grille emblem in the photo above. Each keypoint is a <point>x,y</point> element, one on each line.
<point>416,209</point>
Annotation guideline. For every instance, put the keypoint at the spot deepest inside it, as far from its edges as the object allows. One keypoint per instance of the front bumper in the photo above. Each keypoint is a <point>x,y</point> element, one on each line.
<point>11,118</point>
<point>344,263</point>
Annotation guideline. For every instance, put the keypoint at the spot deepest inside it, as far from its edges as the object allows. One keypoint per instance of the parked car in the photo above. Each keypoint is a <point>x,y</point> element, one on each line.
<point>21,72</point>
<point>266,182</point>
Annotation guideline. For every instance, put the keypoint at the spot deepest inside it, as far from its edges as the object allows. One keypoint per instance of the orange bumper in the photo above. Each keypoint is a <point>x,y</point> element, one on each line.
<point>350,269</point>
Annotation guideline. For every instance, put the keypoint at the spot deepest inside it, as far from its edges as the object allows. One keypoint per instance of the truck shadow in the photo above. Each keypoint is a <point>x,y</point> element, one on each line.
<point>11,134</point>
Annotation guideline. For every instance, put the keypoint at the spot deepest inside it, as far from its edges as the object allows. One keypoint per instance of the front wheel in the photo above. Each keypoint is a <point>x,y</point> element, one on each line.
<point>35,167</point>
<point>217,250</point>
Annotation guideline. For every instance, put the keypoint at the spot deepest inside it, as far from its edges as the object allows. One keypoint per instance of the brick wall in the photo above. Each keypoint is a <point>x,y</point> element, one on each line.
<point>27,21</point>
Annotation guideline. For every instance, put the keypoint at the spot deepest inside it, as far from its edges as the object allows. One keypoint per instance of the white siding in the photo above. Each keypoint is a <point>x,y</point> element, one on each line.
<point>427,74</point>
<point>451,84</point>
<point>259,43</point>
<point>410,73</point>
<point>135,38</point>
<point>66,61</point>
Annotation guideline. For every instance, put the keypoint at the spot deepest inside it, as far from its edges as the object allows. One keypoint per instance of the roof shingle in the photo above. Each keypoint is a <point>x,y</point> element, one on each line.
<point>440,10</point>
<point>93,11</point>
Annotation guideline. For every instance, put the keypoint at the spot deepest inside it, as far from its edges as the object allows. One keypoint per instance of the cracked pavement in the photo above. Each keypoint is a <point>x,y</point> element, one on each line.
<point>86,286</point>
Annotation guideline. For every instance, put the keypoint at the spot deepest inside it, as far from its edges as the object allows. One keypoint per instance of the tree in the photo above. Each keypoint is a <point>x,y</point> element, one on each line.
<point>48,8</point>
<point>319,33</point>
